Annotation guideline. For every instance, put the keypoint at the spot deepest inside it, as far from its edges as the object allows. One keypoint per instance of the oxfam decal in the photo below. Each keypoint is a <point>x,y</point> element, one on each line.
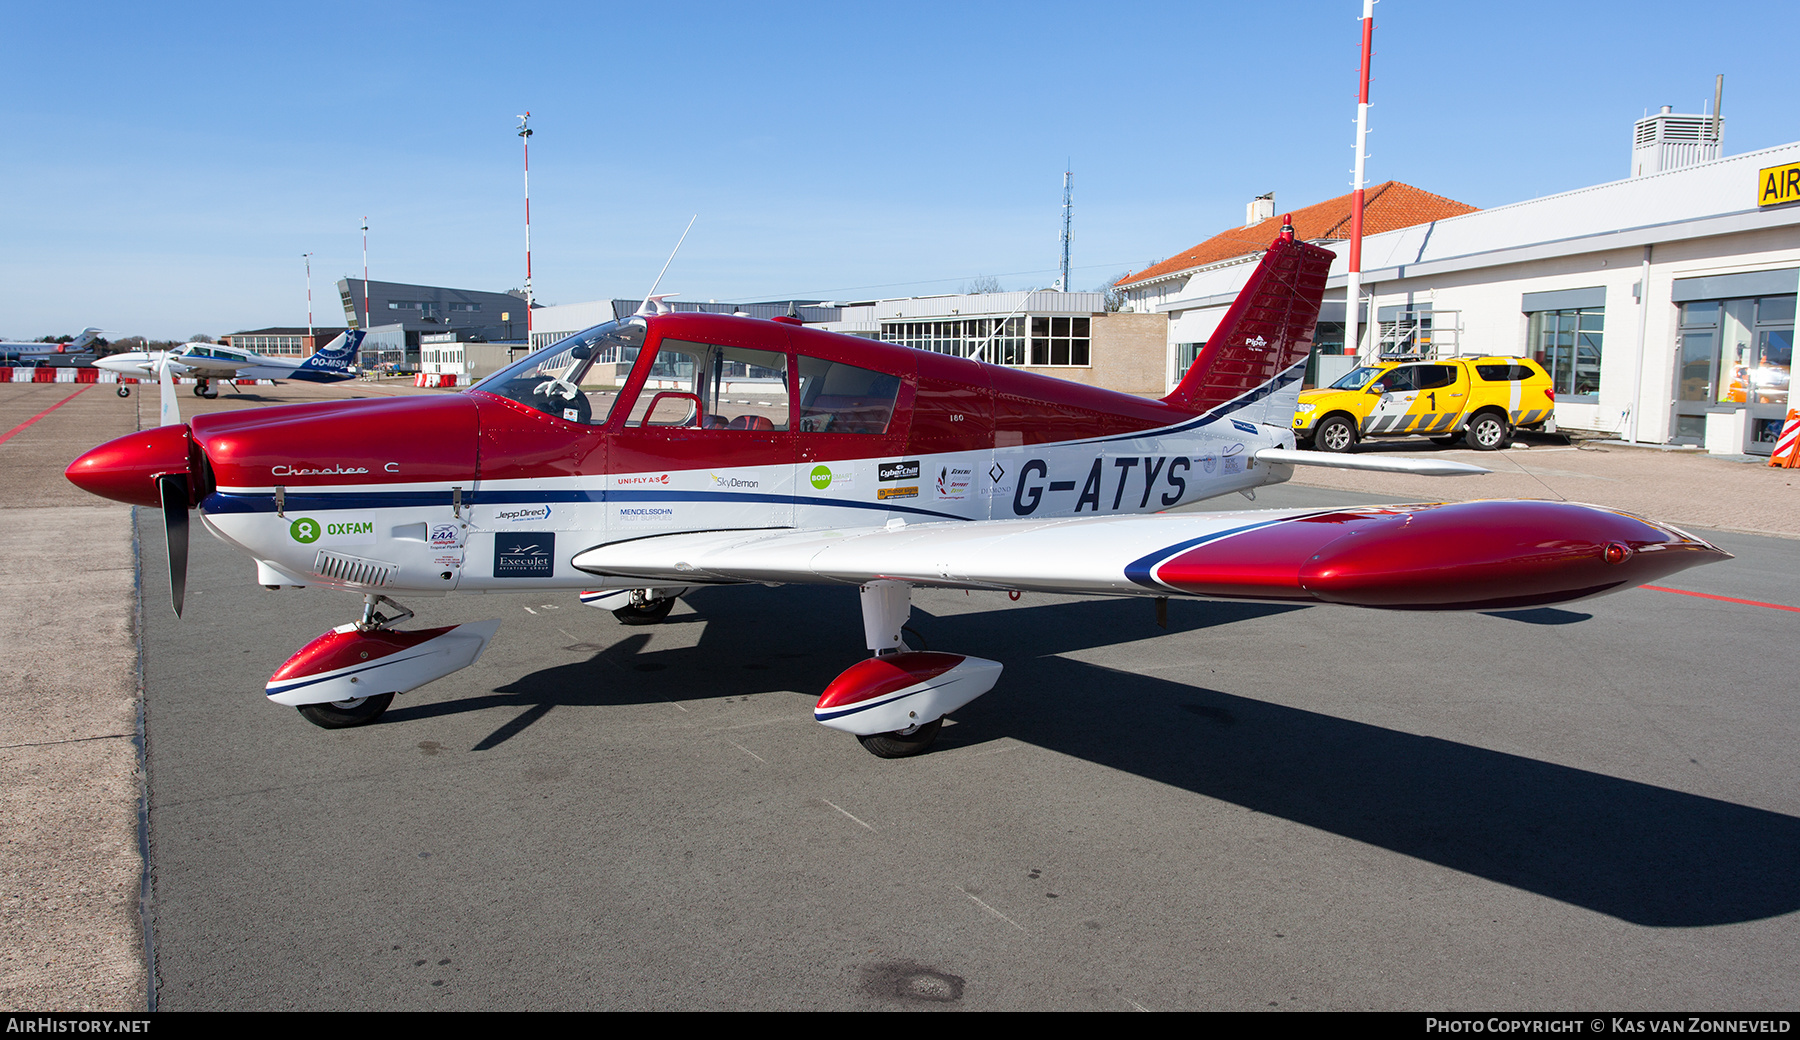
<point>824,476</point>
<point>307,530</point>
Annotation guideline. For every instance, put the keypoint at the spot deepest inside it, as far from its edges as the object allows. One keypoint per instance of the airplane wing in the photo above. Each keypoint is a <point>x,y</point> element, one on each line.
<point>210,367</point>
<point>1423,557</point>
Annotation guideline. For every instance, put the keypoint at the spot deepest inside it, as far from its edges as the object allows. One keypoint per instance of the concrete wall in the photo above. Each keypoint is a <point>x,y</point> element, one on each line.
<point>1127,354</point>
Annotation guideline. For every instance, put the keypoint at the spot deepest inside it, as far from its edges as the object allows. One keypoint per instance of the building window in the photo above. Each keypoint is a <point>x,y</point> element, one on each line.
<point>1185,353</point>
<point>1568,344</point>
<point>1060,342</point>
<point>465,308</point>
<point>999,344</point>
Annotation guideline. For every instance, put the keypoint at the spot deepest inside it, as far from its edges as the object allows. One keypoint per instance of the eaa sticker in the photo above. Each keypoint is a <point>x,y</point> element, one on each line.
<point>446,536</point>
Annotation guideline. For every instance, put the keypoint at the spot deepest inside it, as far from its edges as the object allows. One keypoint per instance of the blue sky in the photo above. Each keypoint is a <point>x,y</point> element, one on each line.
<point>171,163</point>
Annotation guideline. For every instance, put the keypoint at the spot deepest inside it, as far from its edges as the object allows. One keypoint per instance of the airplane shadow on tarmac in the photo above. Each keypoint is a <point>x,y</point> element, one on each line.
<point>1644,854</point>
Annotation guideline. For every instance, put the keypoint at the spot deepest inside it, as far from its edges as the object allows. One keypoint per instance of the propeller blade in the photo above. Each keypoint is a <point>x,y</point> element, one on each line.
<point>174,488</point>
<point>171,410</point>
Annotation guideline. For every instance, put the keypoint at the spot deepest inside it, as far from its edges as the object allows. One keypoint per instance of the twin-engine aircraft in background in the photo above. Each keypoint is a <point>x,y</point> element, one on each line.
<point>666,451</point>
<point>332,362</point>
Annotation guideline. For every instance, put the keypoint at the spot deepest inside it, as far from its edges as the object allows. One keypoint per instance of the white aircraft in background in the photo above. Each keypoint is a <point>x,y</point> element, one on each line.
<point>32,353</point>
<point>208,361</point>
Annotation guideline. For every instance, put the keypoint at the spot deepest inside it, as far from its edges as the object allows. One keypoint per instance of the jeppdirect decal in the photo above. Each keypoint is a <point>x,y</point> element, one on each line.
<point>647,515</point>
<point>890,471</point>
<point>954,482</point>
<point>308,531</point>
<point>525,555</point>
<point>521,514</point>
<point>823,477</point>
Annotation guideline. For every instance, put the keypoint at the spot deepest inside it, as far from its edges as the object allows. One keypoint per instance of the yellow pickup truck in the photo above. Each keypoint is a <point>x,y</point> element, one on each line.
<point>1480,400</point>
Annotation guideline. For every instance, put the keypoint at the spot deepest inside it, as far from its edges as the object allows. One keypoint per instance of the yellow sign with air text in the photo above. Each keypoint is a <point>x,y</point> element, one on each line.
<point>1778,184</point>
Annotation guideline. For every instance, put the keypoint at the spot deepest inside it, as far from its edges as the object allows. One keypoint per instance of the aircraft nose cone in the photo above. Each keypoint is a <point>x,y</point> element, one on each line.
<point>125,469</point>
<point>1489,555</point>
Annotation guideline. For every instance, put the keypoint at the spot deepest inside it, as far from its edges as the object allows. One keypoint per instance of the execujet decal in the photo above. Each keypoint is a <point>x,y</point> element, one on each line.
<point>525,555</point>
<point>1132,472</point>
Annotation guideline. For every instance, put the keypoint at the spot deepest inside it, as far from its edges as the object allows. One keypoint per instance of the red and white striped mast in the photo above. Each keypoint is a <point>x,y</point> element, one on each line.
<point>525,135</point>
<point>1353,283</point>
<point>309,325</point>
<point>367,320</point>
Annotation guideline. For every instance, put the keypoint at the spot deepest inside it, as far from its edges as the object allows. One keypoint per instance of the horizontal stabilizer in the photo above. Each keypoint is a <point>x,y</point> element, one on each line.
<point>1376,463</point>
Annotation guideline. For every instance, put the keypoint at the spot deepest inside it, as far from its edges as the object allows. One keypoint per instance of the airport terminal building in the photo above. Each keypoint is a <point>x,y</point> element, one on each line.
<point>1662,304</point>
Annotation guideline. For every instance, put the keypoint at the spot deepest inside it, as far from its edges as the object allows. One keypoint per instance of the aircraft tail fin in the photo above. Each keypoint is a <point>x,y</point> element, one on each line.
<point>81,342</point>
<point>1251,366</point>
<point>338,355</point>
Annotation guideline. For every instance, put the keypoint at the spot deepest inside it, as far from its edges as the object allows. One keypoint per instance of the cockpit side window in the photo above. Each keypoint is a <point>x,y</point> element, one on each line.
<point>576,379</point>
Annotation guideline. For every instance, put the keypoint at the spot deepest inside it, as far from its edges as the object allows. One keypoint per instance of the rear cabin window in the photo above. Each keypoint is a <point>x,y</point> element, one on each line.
<point>1503,373</point>
<point>840,398</point>
<point>1430,377</point>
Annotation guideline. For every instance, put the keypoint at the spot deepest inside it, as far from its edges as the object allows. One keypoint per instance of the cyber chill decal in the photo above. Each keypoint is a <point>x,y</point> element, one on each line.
<point>525,554</point>
<point>887,472</point>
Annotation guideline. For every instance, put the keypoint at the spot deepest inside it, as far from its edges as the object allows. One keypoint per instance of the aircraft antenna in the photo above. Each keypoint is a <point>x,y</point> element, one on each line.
<point>980,352</point>
<point>1068,183</point>
<point>525,134</point>
<point>649,298</point>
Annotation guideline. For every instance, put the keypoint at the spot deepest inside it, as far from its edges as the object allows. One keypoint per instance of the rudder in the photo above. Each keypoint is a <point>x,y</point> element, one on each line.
<point>1253,362</point>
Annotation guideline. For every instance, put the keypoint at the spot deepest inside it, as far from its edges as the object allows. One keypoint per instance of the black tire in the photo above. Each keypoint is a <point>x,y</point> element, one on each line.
<point>124,391</point>
<point>1488,432</point>
<point>199,391</point>
<point>1335,434</point>
<point>344,714</point>
<point>649,614</point>
<point>895,745</point>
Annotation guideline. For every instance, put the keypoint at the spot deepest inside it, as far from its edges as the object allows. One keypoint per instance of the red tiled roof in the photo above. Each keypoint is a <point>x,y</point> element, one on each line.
<point>1388,206</point>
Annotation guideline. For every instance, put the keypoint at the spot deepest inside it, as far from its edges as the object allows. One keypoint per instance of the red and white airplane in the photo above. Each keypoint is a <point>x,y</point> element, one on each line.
<point>667,451</point>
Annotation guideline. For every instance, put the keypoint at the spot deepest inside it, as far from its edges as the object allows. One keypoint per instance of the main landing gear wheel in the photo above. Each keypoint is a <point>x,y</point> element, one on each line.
<point>124,391</point>
<point>903,743</point>
<point>358,711</point>
<point>1335,434</point>
<point>1489,432</point>
<point>647,614</point>
<point>199,389</point>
